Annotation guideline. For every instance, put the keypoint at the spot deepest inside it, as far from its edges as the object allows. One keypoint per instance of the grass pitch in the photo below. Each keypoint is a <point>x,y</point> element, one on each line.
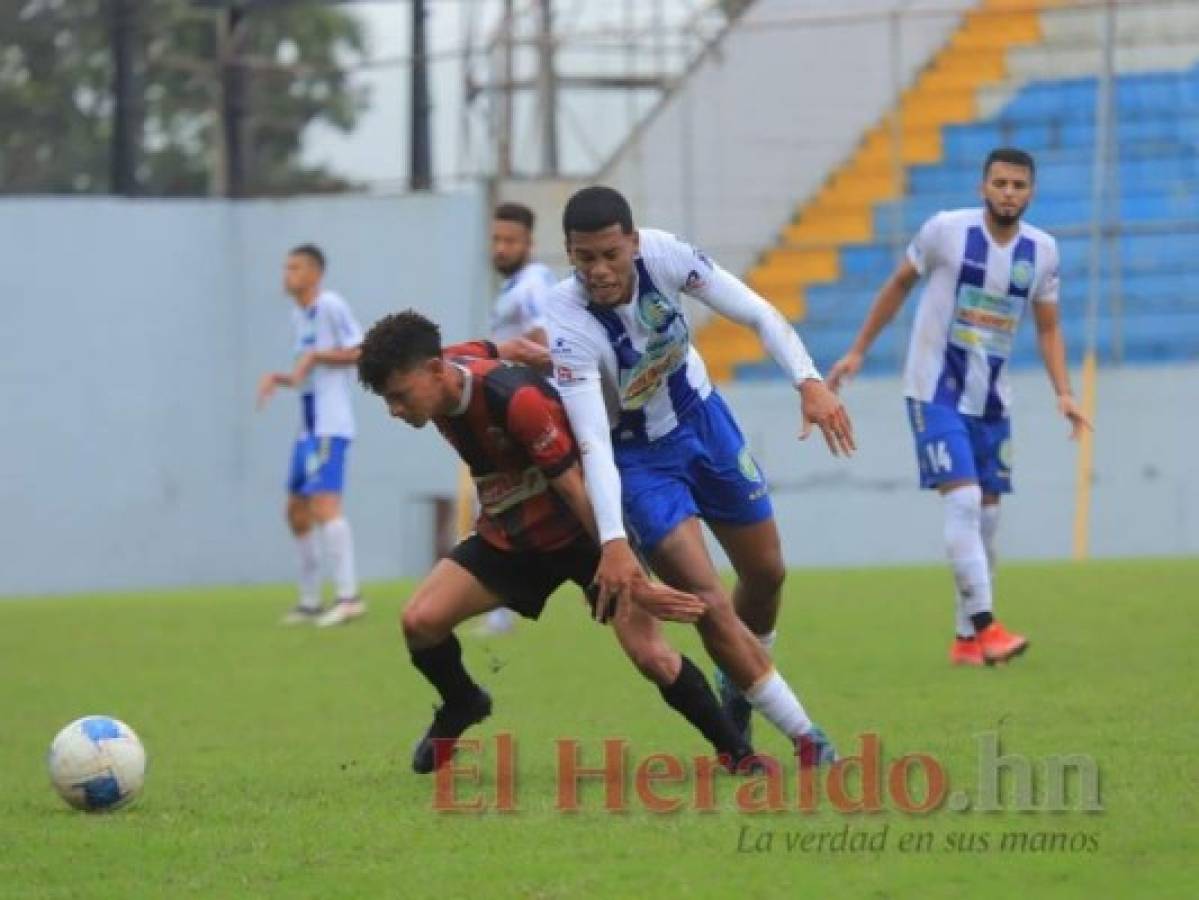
<point>279,759</point>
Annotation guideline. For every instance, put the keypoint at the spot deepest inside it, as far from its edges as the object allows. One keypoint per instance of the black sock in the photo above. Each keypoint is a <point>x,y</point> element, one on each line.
<point>692,697</point>
<point>981,620</point>
<point>442,665</point>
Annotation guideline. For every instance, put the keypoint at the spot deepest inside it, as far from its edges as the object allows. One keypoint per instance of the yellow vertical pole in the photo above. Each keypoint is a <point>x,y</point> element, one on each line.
<point>1086,462</point>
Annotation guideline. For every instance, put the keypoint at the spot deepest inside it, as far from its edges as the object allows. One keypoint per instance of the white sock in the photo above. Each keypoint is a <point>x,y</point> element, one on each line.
<point>501,618</point>
<point>339,545</point>
<point>967,556</point>
<point>990,526</point>
<point>308,545</point>
<point>767,640</point>
<point>774,699</point>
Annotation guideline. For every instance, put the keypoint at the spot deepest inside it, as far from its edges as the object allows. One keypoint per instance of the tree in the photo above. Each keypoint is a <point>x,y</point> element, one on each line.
<point>56,99</point>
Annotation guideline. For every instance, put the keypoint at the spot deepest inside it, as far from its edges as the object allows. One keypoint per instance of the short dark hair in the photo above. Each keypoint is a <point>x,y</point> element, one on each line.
<point>1013,157</point>
<point>515,212</point>
<point>396,343</point>
<point>312,251</point>
<point>596,208</point>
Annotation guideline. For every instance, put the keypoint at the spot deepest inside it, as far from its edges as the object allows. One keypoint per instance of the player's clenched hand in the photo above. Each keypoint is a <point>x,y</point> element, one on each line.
<point>822,408</point>
<point>524,351</point>
<point>1078,422</point>
<point>666,603</point>
<point>844,369</point>
<point>618,570</point>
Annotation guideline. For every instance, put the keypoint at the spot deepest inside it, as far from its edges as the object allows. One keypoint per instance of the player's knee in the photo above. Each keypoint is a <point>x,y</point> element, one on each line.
<point>297,518</point>
<point>421,625</point>
<point>765,577</point>
<point>719,605</point>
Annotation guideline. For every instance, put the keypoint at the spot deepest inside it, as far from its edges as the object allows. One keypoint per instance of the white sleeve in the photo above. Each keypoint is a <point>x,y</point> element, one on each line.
<point>728,295</point>
<point>922,251</point>
<point>577,376</point>
<point>1050,283</point>
<point>532,304</point>
<point>346,330</point>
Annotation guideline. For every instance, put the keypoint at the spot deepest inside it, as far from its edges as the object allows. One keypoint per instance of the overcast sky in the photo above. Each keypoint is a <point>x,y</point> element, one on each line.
<point>590,124</point>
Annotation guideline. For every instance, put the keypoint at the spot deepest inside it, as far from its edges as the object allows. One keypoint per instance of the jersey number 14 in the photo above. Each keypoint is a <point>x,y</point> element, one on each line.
<point>939,459</point>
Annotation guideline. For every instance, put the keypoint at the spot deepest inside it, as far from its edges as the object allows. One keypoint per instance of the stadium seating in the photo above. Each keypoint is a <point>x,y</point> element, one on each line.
<point>986,89</point>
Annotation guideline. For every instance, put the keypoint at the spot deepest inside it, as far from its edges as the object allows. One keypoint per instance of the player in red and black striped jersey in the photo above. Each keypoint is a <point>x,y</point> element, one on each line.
<point>534,532</point>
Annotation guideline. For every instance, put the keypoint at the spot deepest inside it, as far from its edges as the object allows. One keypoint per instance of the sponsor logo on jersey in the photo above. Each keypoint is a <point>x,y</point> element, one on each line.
<point>660,360</point>
<point>694,282</point>
<point>500,492</point>
<point>545,440</point>
<point>565,375</point>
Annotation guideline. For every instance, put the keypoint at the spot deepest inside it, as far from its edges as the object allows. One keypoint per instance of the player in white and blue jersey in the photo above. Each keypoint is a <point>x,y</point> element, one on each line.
<point>518,311</point>
<point>519,308</point>
<point>984,267</point>
<point>661,450</point>
<point>326,349</point>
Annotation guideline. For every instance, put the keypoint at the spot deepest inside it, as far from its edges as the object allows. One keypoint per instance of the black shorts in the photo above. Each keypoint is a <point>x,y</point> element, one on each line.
<point>524,579</point>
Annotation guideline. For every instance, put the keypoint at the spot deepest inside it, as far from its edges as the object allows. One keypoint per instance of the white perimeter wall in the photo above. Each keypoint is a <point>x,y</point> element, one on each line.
<point>132,336</point>
<point>869,510</point>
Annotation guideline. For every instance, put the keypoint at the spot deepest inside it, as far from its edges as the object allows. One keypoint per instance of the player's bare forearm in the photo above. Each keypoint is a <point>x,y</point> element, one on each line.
<point>573,490</point>
<point>888,302</point>
<point>1052,346</point>
<point>347,356</point>
<point>537,336</point>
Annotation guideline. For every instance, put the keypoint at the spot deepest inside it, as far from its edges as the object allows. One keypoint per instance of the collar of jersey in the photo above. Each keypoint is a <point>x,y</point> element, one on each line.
<point>468,383</point>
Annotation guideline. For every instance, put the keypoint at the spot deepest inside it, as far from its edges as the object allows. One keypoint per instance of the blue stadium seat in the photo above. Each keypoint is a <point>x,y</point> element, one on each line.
<point>1157,134</point>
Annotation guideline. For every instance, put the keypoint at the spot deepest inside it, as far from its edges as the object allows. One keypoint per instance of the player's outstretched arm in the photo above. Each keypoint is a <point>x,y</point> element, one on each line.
<point>820,407</point>
<point>888,302</point>
<point>659,601</point>
<point>1053,351</point>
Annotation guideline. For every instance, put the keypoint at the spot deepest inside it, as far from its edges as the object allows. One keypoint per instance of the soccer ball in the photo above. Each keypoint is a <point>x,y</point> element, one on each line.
<point>97,764</point>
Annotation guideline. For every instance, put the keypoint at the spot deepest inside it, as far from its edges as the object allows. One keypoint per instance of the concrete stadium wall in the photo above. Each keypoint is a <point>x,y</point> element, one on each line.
<point>760,122</point>
<point>870,511</point>
<point>134,333</point>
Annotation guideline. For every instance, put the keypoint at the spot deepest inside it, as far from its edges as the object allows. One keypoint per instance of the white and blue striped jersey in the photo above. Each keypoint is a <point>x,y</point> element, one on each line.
<point>971,307</point>
<point>629,373</point>
<point>520,306</point>
<point>640,352</point>
<point>326,324</point>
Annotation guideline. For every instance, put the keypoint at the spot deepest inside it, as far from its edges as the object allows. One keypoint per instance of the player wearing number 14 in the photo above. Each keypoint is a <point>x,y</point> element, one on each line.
<point>983,266</point>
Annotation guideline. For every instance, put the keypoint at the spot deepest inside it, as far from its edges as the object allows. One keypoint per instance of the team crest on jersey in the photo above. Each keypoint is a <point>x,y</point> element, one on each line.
<point>655,311</point>
<point>1021,274</point>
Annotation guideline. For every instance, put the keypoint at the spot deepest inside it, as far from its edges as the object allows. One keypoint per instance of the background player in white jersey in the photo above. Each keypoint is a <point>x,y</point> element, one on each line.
<point>983,267</point>
<point>519,308</point>
<point>327,339</point>
<point>518,312</point>
<point>657,440</point>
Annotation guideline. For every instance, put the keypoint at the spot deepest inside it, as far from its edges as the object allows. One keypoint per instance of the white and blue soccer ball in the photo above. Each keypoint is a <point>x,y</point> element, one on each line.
<point>97,764</point>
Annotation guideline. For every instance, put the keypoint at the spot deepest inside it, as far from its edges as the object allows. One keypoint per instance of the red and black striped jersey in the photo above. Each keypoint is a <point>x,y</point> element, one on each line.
<point>512,432</point>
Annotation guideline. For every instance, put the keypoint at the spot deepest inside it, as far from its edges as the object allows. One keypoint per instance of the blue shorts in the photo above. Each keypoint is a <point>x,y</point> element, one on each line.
<point>701,468</point>
<point>318,465</point>
<point>951,447</point>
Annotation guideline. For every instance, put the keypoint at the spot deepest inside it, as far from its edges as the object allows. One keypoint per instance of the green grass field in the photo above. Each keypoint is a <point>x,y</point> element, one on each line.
<point>279,758</point>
